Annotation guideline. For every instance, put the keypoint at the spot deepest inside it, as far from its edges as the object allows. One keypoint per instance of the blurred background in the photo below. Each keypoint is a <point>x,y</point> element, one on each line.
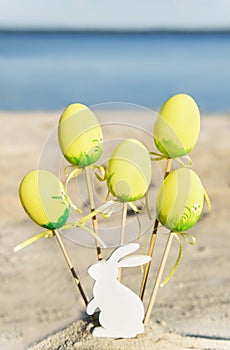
<point>115,55</point>
<point>56,52</point>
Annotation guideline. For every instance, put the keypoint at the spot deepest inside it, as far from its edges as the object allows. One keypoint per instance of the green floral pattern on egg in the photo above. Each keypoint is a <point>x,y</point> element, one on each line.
<point>59,223</point>
<point>171,149</point>
<point>84,159</point>
<point>188,219</point>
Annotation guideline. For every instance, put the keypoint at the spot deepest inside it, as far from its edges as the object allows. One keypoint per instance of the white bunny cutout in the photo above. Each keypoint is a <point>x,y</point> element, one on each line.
<point>121,310</point>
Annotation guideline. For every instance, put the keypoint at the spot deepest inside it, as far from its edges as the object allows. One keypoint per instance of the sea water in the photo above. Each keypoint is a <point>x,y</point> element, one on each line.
<point>47,71</point>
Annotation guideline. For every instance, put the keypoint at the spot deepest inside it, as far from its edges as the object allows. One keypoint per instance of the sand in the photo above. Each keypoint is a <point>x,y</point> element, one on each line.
<point>37,294</point>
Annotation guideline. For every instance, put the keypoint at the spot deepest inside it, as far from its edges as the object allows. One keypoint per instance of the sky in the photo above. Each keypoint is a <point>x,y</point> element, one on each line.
<point>116,14</point>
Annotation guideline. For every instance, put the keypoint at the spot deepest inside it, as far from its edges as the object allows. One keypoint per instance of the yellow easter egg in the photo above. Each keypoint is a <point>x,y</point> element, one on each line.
<point>180,200</point>
<point>44,199</point>
<point>177,127</point>
<point>80,135</point>
<point>129,171</point>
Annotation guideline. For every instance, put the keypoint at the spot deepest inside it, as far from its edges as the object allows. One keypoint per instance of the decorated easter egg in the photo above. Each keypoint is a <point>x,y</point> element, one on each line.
<point>180,200</point>
<point>177,127</point>
<point>129,171</point>
<point>80,135</point>
<point>44,199</point>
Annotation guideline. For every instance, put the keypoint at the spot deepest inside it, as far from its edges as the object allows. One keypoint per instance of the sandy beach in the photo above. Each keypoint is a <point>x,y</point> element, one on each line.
<point>37,295</point>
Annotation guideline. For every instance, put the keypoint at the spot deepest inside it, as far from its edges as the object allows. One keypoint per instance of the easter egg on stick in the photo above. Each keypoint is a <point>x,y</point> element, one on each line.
<point>44,199</point>
<point>179,205</point>
<point>81,142</point>
<point>128,176</point>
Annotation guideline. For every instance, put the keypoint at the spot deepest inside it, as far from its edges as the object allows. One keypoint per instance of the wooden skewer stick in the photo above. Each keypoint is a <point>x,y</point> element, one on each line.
<point>71,267</point>
<point>92,208</point>
<point>153,240</point>
<point>122,238</point>
<point>158,278</point>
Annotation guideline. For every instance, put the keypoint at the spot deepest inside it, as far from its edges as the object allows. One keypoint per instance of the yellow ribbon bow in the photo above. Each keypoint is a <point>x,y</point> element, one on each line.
<point>190,239</point>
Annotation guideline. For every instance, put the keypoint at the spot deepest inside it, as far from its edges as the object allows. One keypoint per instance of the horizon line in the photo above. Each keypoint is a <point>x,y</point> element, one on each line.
<point>114,31</point>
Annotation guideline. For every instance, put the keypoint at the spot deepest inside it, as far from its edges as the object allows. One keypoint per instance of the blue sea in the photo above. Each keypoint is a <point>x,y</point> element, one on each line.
<point>47,71</point>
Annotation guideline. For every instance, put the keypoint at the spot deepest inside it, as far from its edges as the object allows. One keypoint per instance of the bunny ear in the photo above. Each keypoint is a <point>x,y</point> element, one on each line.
<point>123,251</point>
<point>134,260</point>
